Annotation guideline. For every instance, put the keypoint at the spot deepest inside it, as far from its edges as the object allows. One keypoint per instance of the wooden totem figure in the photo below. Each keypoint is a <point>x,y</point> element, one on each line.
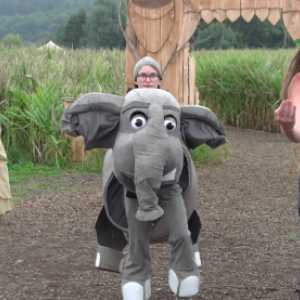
<point>162,29</point>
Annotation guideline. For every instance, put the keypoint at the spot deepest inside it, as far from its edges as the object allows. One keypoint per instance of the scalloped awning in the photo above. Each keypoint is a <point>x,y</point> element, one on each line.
<point>221,10</point>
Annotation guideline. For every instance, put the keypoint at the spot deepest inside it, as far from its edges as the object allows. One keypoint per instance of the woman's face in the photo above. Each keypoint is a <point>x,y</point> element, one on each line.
<point>147,78</point>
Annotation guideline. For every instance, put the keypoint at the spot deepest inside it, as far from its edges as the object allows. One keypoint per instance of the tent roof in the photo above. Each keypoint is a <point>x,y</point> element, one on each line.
<point>50,45</point>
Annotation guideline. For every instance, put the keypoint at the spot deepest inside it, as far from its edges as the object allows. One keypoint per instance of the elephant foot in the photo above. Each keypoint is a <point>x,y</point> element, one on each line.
<point>109,259</point>
<point>184,285</point>
<point>149,215</point>
<point>134,290</point>
<point>197,258</point>
<point>297,291</point>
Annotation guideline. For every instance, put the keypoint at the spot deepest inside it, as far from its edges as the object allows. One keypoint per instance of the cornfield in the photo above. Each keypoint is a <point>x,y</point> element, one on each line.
<point>241,87</point>
<point>32,83</point>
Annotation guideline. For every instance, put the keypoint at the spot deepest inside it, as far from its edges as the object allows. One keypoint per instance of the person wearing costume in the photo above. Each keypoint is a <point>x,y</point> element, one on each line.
<point>147,74</point>
<point>288,113</point>
<point>143,198</point>
<point>5,194</point>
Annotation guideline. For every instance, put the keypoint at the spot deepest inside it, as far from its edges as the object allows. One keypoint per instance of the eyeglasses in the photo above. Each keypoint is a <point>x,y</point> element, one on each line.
<point>143,77</point>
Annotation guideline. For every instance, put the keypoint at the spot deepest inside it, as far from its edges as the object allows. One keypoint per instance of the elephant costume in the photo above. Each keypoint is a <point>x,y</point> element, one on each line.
<point>145,130</point>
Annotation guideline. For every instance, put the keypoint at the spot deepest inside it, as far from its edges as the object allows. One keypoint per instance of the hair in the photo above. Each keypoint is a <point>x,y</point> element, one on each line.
<point>292,71</point>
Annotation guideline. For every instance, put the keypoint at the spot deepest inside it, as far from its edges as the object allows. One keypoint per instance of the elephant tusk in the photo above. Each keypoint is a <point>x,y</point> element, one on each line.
<point>170,176</point>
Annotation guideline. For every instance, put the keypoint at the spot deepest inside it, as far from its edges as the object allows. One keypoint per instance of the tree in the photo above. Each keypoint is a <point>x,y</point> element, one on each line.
<point>59,36</point>
<point>241,35</point>
<point>22,7</point>
<point>74,30</point>
<point>102,29</point>
<point>11,40</point>
<point>214,36</point>
<point>3,31</point>
<point>257,34</point>
<point>32,18</point>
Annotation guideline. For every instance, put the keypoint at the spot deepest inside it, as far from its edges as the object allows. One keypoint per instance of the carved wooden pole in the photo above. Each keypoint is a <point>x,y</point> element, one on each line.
<point>162,29</point>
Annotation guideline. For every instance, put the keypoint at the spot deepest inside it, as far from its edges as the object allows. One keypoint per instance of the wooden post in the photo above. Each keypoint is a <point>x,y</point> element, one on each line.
<point>76,143</point>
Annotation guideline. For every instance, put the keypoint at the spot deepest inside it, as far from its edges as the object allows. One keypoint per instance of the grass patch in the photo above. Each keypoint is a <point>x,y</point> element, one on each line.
<point>264,240</point>
<point>243,87</point>
<point>205,156</point>
<point>235,241</point>
<point>291,239</point>
<point>27,171</point>
<point>27,179</point>
<point>14,200</point>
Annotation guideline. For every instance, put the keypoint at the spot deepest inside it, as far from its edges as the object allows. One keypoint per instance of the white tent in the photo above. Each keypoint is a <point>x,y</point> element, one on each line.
<point>50,45</point>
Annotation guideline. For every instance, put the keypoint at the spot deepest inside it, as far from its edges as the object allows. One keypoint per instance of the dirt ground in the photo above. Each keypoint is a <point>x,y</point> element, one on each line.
<point>249,243</point>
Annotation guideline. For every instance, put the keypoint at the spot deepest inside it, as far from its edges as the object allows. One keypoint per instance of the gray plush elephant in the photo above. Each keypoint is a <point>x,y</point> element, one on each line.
<point>146,130</point>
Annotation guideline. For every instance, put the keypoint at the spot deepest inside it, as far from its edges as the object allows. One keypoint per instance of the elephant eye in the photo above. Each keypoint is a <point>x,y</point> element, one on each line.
<point>170,124</point>
<point>138,121</point>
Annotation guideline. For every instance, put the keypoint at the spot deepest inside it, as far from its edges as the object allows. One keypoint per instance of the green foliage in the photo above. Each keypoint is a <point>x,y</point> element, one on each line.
<point>264,240</point>
<point>21,7</point>
<point>60,35</point>
<point>11,41</point>
<point>261,34</point>
<point>215,36</point>
<point>37,21</point>
<point>102,29</point>
<point>242,87</point>
<point>32,83</point>
<point>297,42</point>
<point>93,162</point>
<point>204,156</point>
<point>241,35</point>
<point>291,239</point>
<point>29,124</point>
<point>73,32</point>
<point>27,171</point>
<point>26,179</point>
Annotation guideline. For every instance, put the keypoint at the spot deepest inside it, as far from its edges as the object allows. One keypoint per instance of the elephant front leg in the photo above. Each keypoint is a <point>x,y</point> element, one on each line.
<point>136,273</point>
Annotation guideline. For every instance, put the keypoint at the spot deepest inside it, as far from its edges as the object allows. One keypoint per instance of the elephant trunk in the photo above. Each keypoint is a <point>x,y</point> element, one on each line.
<point>151,151</point>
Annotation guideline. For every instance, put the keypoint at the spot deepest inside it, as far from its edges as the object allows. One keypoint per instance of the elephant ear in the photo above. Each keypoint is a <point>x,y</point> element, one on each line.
<point>199,125</point>
<point>95,116</point>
